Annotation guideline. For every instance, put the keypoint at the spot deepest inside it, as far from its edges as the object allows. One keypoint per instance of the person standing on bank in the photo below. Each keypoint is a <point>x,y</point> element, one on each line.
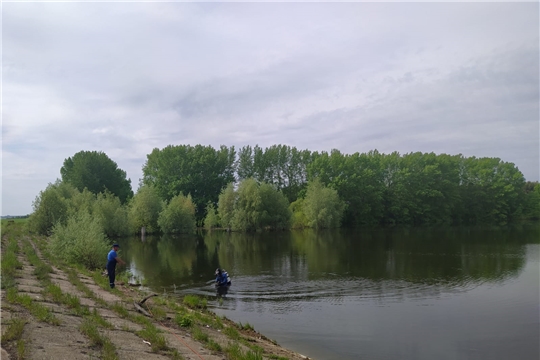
<point>112,259</point>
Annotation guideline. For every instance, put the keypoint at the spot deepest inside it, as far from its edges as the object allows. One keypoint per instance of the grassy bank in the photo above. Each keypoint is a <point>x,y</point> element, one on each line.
<point>186,317</point>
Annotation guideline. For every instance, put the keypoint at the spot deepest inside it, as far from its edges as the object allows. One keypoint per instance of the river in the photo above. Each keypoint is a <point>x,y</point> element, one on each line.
<point>400,293</point>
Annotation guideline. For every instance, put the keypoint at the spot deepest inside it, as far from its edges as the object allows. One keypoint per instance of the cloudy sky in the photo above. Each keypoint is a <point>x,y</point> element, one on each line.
<point>125,78</point>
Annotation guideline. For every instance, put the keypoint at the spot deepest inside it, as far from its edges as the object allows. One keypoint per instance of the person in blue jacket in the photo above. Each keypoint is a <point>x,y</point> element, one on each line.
<point>222,278</point>
<point>112,259</point>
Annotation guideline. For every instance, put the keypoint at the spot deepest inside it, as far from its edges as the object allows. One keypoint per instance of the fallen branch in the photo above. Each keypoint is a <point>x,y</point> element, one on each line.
<point>140,309</point>
<point>146,298</point>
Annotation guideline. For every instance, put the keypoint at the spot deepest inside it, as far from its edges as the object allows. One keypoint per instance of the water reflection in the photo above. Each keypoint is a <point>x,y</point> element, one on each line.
<point>438,293</point>
<point>300,264</point>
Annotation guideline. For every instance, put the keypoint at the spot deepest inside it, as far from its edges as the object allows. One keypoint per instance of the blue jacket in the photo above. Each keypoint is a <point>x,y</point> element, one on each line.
<point>222,279</point>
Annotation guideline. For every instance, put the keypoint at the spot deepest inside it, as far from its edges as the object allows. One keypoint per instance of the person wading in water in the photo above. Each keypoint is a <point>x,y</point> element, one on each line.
<point>112,259</point>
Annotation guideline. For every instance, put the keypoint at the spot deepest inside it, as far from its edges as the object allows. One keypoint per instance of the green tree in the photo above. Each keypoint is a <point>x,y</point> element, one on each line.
<point>322,206</point>
<point>178,216</point>
<point>200,171</point>
<point>275,212</point>
<point>81,202</point>
<point>50,207</point>
<point>226,205</point>
<point>212,219</point>
<point>532,201</point>
<point>111,214</point>
<point>244,167</point>
<point>80,241</point>
<point>95,171</point>
<point>144,210</point>
<point>247,209</point>
<point>298,218</point>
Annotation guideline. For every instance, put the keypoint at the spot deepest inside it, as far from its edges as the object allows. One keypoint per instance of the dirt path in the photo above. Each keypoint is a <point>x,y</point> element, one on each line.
<point>121,331</point>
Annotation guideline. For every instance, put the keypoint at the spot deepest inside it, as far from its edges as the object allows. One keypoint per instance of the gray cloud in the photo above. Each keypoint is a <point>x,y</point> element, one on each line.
<point>125,78</point>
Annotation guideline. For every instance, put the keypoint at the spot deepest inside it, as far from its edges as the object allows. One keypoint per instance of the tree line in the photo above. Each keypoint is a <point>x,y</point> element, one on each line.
<point>376,189</point>
<point>282,187</point>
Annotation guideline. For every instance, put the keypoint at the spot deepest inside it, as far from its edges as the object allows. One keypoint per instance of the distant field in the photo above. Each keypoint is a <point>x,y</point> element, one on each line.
<point>5,222</point>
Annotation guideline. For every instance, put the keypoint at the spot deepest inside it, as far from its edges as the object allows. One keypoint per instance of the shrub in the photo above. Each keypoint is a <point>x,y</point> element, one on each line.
<point>226,203</point>
<point>144,210</point>
<point>322,206</point>
<point>194,302</point>
<point>112,215</point>
<point>50,207</point>
<point>212,219</point>
<point>178,216</point>
<point>80,241</point>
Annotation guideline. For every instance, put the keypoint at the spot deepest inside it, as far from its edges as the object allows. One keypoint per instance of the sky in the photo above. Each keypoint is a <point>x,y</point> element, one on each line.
<point>127,77</point>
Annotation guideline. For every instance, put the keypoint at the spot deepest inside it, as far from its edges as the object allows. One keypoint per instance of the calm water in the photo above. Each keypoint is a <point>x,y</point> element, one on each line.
<point>437,293</point>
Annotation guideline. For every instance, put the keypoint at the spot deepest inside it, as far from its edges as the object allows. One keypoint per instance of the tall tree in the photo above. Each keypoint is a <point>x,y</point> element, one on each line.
<point>144,210</point>
<point>95,171</point>
<point>50,207</point>
<point>199,171</point>
<point>178,216</point>
<point>322,206</point>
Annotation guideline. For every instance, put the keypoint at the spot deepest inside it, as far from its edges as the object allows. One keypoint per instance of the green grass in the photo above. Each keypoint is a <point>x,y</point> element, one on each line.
<point>159,313</point>
<point>120,309</point>
<point>90,329</point>
<point>276,357</point>
<point>13,331</point>
<point>212,345</point>
<point>234,352</point>
<point>195,302</point>
<point>55,292</point>
<point>97,319</point>
<point>203,337</point>
<point>151,334</point>
<point>232,333</point>
<point>199,335</point>
<point>39,311</point>
<point>20,220</point>
<point>21,349</point>
<point>175,355</point>
<point>41,269</point>
<point>9,263</point>
<point>73,278</point>
<point>247,326</point>
<point>108,350</point>
<point>183,320</point>
<point>71,301</point>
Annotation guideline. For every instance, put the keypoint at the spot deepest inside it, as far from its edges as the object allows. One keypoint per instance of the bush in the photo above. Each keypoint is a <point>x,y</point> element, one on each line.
<point>144,210</point>
<point>80,241</point>
<point>212,219</point>
<point>299,219</point>
<point>275,212</point>
<point>322,206</point>
<point>178,216</point>
<point>111,214</point>
<point>50,207</point>
<point>247,210</point>
<point>226,204</point>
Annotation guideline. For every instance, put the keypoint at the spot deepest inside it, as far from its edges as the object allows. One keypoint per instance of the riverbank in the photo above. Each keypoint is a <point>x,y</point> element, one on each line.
<point>54,311</point>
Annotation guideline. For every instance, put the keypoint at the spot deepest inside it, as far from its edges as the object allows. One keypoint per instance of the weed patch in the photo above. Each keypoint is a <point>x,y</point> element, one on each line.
<point>183,320</point>
<point>151,334</point>
<point>199,335</point>
<point>232,333</point>
<point>39,311</point>
<point>195,302</point>
<point>13,331</point>
<point>21,349</point>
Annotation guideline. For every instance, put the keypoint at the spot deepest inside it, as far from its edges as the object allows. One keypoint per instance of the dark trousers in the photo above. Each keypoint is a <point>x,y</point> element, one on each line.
<point>111,270</point>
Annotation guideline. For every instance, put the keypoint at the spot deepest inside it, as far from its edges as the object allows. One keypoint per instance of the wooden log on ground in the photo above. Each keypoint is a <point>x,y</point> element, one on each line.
<point>141,310</point>
<point>146,298</point>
